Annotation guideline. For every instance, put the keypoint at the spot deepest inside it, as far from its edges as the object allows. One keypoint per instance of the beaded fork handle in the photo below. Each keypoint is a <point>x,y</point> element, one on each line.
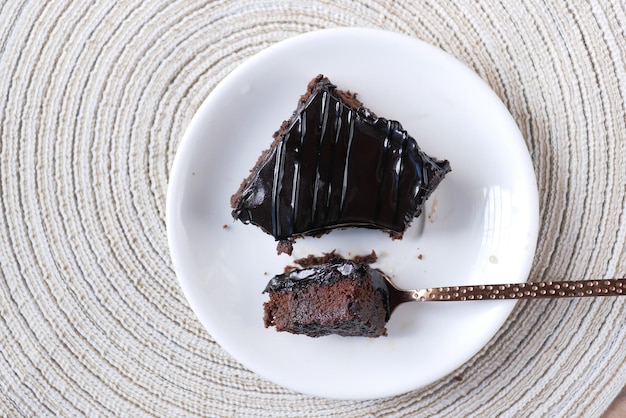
<point>562,289</point>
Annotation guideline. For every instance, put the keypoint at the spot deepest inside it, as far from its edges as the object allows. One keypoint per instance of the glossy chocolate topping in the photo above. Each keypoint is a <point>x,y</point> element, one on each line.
<point>335,164</point>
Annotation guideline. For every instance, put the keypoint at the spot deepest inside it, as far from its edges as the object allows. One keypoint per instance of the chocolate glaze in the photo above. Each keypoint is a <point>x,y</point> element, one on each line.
<point>336,164</point>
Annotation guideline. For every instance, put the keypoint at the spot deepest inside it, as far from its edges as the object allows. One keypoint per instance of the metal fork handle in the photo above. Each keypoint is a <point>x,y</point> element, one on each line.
<point>550,289</point>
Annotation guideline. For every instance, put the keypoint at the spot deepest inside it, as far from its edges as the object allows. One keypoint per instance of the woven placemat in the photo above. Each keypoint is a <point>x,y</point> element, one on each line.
<point>94,99</point>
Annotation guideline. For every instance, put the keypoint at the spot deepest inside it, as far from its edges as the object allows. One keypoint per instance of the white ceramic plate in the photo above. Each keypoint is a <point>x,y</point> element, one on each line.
<point>480,226</point>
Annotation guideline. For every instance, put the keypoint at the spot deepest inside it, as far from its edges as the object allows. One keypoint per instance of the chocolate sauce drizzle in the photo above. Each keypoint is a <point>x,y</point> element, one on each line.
<point>334,165</point>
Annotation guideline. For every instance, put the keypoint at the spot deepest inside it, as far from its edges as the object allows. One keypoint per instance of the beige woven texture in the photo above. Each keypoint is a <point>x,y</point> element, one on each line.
<point>94,99</point>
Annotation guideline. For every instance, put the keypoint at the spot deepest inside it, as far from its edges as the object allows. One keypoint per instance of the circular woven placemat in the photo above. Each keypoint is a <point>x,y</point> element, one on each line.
<point>94,99</point>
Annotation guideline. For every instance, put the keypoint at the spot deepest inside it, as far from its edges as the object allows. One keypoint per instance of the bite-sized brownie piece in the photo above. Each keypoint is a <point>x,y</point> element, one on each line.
<point>331,295</point>
<point>335,164</point>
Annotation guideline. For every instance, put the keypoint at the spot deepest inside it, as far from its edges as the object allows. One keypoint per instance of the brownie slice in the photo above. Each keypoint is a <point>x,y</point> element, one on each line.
<point>335,164</point>
<point>331,295</point>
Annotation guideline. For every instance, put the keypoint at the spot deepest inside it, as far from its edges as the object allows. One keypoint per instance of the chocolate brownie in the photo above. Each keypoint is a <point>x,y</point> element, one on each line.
<point>331,295</point>
<point>335,164</point>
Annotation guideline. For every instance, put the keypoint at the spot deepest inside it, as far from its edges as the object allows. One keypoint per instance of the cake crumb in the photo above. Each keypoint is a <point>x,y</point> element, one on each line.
<point>366,259</point>
<point>225,226</point>
<point>284,246</point>
<point>420,256</point>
